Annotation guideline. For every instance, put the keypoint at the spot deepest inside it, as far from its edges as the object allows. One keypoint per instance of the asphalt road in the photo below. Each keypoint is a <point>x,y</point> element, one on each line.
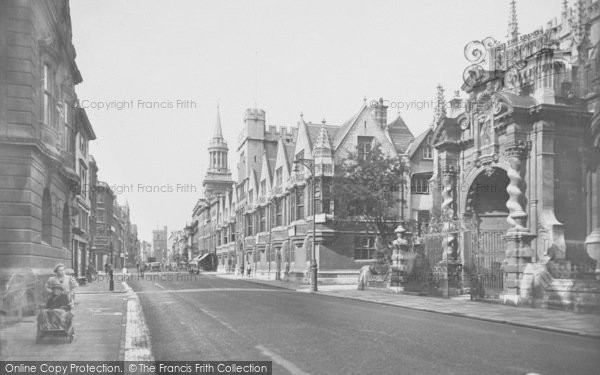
<point>209,318</point>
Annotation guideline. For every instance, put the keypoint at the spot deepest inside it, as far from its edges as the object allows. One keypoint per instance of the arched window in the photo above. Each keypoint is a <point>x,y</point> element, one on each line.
<point>66,226</point>
<point>47,217</point>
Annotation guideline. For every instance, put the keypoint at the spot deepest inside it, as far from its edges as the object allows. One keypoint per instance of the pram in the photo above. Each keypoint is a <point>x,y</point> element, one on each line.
<point>54,322</point>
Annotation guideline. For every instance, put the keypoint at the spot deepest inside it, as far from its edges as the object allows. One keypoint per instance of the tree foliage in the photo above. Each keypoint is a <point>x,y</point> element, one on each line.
<point>367,188</point>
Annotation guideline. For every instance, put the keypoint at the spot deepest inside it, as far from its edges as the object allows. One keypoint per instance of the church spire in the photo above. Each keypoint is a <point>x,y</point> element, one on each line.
<point>513,25</point>
<point>218,132</point>
<point>218,176</point>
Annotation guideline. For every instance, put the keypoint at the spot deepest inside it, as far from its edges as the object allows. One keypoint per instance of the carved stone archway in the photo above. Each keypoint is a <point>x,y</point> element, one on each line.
<point>470,177</point>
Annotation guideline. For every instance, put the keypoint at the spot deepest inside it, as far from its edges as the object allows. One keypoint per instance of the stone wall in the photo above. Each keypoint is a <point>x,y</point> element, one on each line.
<point>539,288</point>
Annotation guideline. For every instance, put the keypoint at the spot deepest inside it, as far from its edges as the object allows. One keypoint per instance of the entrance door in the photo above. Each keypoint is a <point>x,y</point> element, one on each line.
<point>486,254</point>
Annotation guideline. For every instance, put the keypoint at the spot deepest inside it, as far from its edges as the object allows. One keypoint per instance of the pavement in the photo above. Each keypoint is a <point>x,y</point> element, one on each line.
<point>546,319</point>
<point>99,321</point>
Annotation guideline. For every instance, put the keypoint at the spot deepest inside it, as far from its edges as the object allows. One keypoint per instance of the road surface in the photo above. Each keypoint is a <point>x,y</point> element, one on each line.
<point>209,318</point>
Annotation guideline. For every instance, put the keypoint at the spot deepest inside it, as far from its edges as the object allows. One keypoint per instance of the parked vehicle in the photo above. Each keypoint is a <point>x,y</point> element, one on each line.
<point>155,266</point>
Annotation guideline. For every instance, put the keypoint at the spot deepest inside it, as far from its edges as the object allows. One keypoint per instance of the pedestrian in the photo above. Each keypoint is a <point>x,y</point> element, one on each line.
<point>111,282</point>
<point>68,282</point>
<point>90,272</point>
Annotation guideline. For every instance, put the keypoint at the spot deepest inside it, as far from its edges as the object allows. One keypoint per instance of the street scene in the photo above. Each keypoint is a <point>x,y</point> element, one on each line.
<point>280,187</point>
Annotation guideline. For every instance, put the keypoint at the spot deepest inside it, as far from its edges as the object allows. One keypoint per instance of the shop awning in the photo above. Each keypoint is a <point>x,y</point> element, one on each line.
<point>199,258</point>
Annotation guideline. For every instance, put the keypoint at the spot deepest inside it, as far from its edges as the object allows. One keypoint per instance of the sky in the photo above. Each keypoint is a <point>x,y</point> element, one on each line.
<point>154,72</point>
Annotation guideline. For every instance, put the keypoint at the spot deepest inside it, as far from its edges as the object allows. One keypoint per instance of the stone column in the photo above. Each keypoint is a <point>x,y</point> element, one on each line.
<point>449,212</point>
<point>451,257</point>
<point>518,238</point>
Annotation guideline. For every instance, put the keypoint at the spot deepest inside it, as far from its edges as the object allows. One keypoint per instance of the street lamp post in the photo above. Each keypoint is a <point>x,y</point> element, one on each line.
<point>309,164</point>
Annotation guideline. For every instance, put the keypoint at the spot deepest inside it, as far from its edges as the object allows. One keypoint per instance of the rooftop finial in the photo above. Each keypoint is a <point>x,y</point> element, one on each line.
<point>218,133</point>
<point>440,103</point>
<point>580,21</point>
<point>513,25</point>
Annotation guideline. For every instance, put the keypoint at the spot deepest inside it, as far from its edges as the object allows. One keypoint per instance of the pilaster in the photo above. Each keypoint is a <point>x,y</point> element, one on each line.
<point>551,241</point>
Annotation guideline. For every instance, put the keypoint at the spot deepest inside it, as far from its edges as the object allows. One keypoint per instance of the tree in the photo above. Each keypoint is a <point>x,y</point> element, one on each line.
<point>367,189</point>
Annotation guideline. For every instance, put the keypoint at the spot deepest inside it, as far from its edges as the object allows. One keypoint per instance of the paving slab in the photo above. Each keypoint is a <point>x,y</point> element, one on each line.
<point>99,318</point>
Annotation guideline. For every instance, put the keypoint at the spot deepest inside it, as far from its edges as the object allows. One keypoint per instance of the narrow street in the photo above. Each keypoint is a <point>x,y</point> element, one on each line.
<point>209,318</point>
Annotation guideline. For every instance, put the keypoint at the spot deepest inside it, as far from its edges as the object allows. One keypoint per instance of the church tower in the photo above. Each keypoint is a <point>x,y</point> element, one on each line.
<point>218,176</point>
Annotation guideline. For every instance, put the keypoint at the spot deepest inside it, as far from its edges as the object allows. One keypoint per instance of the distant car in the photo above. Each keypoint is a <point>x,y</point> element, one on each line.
<point>155,266</point>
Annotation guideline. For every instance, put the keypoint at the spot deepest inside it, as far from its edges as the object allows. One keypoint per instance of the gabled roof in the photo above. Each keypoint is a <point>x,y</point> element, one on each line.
<point>400,134</point>
<point>289,153</point>
<point>345,128</point>
<point>267,167</point>
<point>253,179</point>
<point>414,146</point>
<point>271,154</point>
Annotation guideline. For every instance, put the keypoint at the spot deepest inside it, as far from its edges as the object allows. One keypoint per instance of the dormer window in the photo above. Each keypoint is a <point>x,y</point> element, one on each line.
<point>427,149</point>
<point>364,147</point>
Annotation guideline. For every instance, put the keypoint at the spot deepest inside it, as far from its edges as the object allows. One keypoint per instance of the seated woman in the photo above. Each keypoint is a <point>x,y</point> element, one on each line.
<point>68,283</point>
<point>57,314</point>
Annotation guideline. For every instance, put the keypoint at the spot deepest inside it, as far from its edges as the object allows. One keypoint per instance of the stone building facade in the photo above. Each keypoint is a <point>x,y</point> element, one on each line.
<point>38,125</point>
<point>159,244</point>
<point>81,224</point>
<point>524,135</point>
<point>263,221</point>
<point>103,249</point>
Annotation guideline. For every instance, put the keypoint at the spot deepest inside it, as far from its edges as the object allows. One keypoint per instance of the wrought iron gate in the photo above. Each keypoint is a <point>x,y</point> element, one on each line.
<point>482,256</point>
<point>483,262</point>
